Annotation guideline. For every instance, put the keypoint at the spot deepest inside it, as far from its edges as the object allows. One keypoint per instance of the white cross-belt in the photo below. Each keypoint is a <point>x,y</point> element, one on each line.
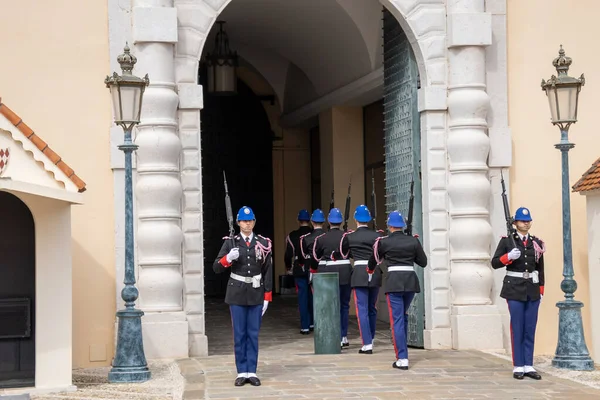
<point>361,262</point>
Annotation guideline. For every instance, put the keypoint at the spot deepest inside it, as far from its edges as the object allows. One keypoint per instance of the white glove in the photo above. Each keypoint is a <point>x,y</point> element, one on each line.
<point>514,254</point>
<point>265,306</point>
<point>310,277</point>
<point>233,255</point>
<point>289,272</point>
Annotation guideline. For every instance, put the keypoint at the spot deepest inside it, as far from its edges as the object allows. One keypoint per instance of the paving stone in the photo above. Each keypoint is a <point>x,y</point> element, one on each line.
<point>289,369</point>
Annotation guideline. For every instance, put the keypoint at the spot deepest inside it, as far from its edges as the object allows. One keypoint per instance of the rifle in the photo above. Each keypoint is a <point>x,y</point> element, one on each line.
<point>347,209</point>
<point>373,199</point>
<point>229,211</point>
<point>411,204</point>
<point>331,202</point>
<point>510,230</point>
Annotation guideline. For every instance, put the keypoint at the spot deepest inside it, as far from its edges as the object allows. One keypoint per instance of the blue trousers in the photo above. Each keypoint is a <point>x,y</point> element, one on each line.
<point>523,320</point>
<point>246,324</point>
<point>345,293</point>
<point>305,302</point>
<point>365,299</point>
<point>398,304</point>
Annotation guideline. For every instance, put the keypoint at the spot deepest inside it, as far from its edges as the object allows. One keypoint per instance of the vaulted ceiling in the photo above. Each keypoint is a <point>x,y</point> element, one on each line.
<point>305,48</point>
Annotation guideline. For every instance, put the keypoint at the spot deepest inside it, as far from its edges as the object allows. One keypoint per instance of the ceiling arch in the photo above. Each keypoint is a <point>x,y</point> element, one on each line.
<point>332,42</point>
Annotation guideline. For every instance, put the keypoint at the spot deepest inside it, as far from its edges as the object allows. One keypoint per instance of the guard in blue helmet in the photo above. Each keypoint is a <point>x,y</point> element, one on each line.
<point>249,290</point>
<point>324,247</point>
<point>296,265</point>
<point>307,241</point>
<point>358,245</point>
<point>523,288</point>
<point>401,252</point>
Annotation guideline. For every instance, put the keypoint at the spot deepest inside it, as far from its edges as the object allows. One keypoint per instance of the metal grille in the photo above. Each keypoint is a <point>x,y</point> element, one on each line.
<point>402,145</point>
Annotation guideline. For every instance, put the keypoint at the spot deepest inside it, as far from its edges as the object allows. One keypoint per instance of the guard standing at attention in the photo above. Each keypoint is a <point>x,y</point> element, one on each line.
<point>249,291</point>
<point>523,288</point>
<point>296,265</point>
<point>324,247</point>
<point>307,242</point>
<point>358,245</point>
<point>401,252</point>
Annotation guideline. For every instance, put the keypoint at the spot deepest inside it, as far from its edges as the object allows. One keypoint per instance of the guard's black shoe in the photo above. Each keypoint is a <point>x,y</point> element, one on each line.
<point>312,328</point>
<point>518,375</point>
<point>398,367</point>
<point>304,332</point>
<point>533,375</point>
<point>240,381</point>
<point>254,381</point>
<point>361,351</point>
<point>346,344</point>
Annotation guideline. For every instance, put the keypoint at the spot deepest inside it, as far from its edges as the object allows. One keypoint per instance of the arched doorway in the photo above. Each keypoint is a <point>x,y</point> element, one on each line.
<point>17,293</point>
<point>237,139</point>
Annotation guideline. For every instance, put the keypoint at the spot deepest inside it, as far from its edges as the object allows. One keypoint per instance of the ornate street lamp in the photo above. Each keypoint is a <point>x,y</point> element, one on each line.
<point>563,96</point>
<point>221,64</point>
<point>127,91</point>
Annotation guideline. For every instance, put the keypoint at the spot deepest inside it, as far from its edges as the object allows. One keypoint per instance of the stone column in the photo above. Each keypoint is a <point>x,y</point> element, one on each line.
<point>476,322</point>
<point>158,189</point>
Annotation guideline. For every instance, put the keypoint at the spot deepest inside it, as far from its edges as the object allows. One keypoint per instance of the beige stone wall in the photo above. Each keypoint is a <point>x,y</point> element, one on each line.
<point>55,59</point>
<point>536,29</point>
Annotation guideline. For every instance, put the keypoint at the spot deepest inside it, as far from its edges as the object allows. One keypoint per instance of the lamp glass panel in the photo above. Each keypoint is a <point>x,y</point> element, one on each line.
<point>567,102</point>
<point>114,94</point>
<point>130,97</point>
<point>224,78</point>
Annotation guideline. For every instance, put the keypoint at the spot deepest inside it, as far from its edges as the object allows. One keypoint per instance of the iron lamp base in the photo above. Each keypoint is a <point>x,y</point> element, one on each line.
<point>129,364</point>
<point>571,351</point>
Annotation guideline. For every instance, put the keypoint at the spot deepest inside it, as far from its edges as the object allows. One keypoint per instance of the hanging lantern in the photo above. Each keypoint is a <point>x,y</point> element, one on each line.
<point>221,64</point>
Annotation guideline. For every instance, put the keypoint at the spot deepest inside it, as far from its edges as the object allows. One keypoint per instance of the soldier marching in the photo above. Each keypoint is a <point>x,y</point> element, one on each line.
<point>297,266</point>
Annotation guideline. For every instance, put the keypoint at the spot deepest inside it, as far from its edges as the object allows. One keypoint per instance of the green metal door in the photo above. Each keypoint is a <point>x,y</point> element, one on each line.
<point>403,146</point>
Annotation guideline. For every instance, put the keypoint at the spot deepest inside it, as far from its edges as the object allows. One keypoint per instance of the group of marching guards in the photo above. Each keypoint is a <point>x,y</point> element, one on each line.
<point>357,256</point>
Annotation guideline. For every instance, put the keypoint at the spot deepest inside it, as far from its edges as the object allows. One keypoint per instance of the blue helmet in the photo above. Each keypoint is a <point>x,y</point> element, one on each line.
<point>303,215</point>
<point>245,214</point>
<point>335,216</point>
<point>396,220</point>
<point>522,214</point>
<point>318,216</point>
<point>362,214</point>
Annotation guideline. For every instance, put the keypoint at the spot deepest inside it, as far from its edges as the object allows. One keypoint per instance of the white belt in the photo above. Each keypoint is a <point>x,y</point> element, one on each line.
<point>322,262</point>
<point>254,280</point>
<point>361,262</point>
<point>338,262</point>
<point>400,268</point>
<point>525,275</point>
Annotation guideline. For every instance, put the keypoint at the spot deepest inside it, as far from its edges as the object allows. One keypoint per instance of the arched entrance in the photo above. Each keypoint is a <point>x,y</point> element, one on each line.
<point>453,105</point>
<point>237,139</point>
<point>17,293</point>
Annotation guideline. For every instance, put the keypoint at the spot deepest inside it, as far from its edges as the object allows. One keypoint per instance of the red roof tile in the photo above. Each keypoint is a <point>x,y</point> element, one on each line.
<point>43,146</point>
<point>590,180</point>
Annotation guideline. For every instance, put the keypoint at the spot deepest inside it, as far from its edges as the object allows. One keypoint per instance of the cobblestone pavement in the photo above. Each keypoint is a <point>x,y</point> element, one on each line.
<point>289,369</point>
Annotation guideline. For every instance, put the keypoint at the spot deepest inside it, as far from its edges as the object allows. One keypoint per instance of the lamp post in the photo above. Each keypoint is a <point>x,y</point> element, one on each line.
<point>127,91</point>
<point>563,97</point>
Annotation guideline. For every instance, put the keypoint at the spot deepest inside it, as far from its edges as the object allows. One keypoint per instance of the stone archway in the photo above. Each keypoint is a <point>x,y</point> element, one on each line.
<point>449,43</point>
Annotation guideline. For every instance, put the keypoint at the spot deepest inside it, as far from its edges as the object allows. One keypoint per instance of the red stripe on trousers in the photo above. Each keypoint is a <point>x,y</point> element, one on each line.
<point>387,296</point>
<point>358,317</point>
<point>512,339</point>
